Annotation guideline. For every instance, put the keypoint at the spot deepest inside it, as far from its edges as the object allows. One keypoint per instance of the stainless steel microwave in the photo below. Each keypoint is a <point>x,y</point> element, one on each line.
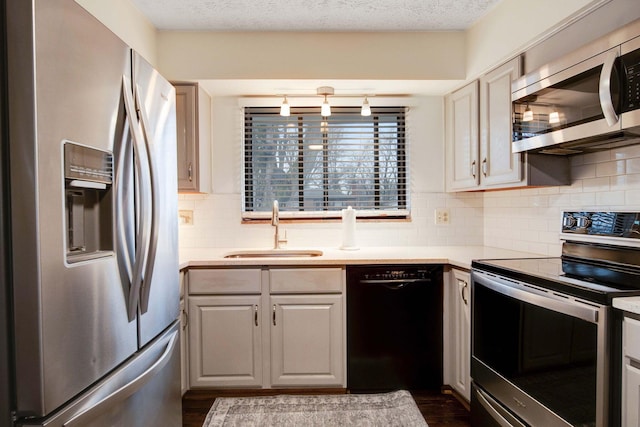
<point>587,101</point>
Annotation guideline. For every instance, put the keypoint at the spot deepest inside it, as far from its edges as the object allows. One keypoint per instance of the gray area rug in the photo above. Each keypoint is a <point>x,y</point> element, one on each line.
<point>387,409</point>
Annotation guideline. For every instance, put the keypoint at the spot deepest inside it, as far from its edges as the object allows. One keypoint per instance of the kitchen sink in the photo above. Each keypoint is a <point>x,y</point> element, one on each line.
<point>273,253</point>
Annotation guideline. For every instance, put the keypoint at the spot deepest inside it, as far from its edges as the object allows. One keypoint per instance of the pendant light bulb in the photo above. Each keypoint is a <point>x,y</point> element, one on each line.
<point>325,111</point>
<point>528,114</point>
<point>366,108</point>
<point>285,110</point>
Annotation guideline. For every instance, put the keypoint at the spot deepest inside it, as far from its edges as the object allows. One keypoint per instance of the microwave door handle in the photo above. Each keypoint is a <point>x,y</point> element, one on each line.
<point>142,236</point>
<point>152,245</point>
<point>604,91</point>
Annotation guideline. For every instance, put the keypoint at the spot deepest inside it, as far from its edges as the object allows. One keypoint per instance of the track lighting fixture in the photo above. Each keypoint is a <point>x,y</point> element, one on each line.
<point>366,108</point>
<point>285,110</point>
<point>325,111</point>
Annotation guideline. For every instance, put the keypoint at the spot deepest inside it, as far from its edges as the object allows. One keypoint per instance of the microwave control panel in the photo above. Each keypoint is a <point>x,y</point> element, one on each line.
<point>631,78</point>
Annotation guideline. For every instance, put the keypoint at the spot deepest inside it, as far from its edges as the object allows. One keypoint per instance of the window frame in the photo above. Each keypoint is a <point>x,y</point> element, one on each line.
<point>402,212</point>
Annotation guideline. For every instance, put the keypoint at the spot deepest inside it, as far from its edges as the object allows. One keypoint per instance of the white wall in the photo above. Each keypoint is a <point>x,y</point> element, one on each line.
<point>512,26</point>
<point>128,23</point>
<point>529,219</point>
<point>217,221</point>
<point>211,55</point>
<point>525,219</point>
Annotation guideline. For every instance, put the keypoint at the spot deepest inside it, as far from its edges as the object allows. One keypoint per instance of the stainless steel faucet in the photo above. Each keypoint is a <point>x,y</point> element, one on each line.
<point>275,221</point>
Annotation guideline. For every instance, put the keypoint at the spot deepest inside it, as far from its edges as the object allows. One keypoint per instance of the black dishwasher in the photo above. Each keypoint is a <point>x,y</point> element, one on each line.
<point>394,327</point>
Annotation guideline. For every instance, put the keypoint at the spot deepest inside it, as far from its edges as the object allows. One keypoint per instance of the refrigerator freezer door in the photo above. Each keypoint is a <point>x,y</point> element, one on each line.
<point>160,293</point>
<point>145,391</point>
<point>65,84</point>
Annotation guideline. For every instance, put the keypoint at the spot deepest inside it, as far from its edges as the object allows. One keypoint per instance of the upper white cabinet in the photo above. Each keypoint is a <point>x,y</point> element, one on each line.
<point>498,165</point>
<point>462,138</point>
<point>193,127</point>
<point>478,139</point>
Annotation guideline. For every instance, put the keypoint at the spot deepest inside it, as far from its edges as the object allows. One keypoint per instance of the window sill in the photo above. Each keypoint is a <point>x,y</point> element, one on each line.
<point>325,220</point>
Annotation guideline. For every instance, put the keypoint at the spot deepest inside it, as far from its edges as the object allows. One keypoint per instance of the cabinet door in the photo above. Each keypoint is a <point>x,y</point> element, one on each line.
<point>631,394</point>
<point>193,132</point>
<point>225,341</point>
<point>186,126</point>
<point>307,340</point>
<point>461,316</point>
<point>184,348</point>
<point>462,138</point>
<point>498,165</point>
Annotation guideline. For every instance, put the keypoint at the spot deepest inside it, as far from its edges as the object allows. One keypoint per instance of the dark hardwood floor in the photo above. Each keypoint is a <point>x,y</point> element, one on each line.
<point>438,409</point>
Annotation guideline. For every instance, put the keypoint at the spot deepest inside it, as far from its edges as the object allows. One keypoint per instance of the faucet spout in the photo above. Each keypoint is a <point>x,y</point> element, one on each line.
<point>275,221</point>
<point>275,214</point>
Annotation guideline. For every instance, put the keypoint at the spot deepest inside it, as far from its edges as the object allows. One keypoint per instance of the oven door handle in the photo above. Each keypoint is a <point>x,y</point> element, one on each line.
<point>486,402</point>
<point>565,306</point>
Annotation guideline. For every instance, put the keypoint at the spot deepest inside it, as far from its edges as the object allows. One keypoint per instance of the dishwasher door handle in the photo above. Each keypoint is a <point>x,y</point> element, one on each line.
<point>394,284</point>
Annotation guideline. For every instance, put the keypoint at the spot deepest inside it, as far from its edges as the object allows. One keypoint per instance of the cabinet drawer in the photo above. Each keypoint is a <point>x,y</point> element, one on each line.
<point>225,281</point>
<point>306,280</point>
<point>631,334</point>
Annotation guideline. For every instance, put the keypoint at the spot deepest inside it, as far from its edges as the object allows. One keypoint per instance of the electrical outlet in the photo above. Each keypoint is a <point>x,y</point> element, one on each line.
<point>443,216</point>
<point>185,217</point>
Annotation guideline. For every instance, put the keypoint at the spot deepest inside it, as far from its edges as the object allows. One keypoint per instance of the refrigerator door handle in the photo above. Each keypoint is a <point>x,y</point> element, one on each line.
<point>141,162</point>
<point>126,390</point>
<point>153,234</point>
<point>124,239</point>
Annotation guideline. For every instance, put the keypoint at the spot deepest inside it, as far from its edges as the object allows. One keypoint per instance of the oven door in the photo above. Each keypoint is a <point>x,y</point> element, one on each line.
<point>541,355</point>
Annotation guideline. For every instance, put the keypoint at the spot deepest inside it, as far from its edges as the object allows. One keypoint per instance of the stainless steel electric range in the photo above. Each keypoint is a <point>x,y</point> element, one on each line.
<point>545,339</point>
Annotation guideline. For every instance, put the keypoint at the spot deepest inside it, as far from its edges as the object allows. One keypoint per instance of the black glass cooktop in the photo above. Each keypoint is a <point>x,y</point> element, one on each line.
<point>589,280</point>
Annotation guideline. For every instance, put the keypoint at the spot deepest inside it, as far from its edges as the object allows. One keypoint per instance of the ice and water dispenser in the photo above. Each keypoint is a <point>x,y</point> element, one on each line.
<point>88,174</point>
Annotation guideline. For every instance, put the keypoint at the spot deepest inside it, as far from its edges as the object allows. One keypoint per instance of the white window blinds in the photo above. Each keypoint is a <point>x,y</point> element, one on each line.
<point>316,166</point>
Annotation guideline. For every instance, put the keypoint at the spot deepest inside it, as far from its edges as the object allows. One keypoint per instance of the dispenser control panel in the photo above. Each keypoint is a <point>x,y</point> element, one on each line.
<point>87,164</point>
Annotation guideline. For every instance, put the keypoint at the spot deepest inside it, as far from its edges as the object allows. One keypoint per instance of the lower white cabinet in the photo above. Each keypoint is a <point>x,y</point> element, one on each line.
<point>307,340</point>
<point>252,328</point>
<point>184,337</point>
<point>225,341</point>
<point>631,373</point>
<point>457,332</point>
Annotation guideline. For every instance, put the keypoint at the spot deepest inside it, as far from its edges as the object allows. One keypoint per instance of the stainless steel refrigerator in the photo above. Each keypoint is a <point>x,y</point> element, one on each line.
<point>89,226</point>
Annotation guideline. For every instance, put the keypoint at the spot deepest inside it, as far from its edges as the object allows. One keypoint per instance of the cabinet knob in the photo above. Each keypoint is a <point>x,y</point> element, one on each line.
<point>274,315</point>
<point>484,167</point>
<point>473,168</point>
<point>190,171</point>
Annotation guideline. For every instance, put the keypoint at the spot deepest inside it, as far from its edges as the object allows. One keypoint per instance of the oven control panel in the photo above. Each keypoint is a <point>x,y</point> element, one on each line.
<point>612,224</point>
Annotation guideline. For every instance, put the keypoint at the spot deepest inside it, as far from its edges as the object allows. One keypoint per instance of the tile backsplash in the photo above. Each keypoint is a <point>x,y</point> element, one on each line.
<point>525,219</point>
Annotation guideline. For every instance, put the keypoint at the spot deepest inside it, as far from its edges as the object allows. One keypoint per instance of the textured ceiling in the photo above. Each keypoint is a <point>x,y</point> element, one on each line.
<point>314,15</point>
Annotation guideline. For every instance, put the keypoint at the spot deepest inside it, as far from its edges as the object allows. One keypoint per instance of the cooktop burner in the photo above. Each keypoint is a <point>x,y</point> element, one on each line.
<point>562,275</point>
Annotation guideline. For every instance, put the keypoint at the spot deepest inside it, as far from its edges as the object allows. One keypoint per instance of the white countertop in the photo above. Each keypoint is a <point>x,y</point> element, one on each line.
<point>630,304</point>
<point>458,256</point>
